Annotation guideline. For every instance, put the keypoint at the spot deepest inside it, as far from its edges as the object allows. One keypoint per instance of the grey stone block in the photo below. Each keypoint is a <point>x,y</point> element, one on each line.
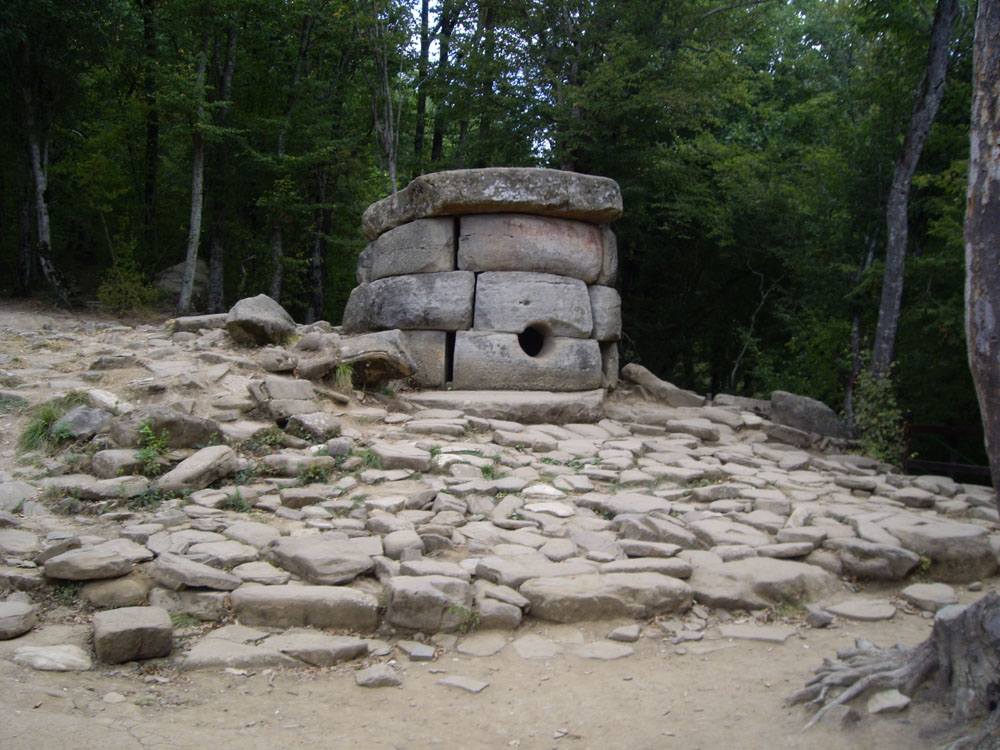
<point>132,633</point>
<point>606,306</point>
<point>485,360</point>
<point>423,301</point>
<point>421,246</point>
<point>514,300</point>
<point>609,263</point>
<point>523,242</point>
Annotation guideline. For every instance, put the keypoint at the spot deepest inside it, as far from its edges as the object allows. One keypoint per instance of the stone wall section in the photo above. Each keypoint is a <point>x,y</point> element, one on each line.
<point>507,275</point>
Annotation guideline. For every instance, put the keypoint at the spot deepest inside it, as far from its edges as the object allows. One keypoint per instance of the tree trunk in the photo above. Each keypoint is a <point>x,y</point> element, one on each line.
<point>24,274</point>
<point>982,231</point>
<point>420,127</point>
<point>216,295</point>
<point>446,25</point>
<point>151,158</point>
<point>197,187</point>
<point>277,232</point>
<point>958,666</point>
<point>39,150</point>
<point>924,112</point>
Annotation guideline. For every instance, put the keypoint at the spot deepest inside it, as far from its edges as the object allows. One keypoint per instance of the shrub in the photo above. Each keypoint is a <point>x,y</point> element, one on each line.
<point>124,287</point>
<point>878,418</point>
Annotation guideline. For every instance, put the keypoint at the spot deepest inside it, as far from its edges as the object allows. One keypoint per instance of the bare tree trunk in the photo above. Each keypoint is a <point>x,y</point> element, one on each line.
<point>277,232</point>
<point>931,93</point>
<point>39,150</point>
<point>24,274</point>
<point>982,230</point>
<point>152,152</point>
<point>197,187</point>
<point>856,360</point>
<point>420,127</point>
<point>446,24</point>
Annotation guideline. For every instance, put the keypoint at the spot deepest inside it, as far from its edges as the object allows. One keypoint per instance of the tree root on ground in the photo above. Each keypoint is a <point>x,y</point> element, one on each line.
<point>958,666</point>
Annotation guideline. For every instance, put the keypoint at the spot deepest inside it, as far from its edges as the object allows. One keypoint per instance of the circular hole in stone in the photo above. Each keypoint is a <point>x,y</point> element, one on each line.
<point>532,340</point>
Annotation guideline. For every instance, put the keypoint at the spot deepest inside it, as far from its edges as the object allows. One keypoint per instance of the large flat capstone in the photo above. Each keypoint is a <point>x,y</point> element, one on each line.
<point>549,192</point>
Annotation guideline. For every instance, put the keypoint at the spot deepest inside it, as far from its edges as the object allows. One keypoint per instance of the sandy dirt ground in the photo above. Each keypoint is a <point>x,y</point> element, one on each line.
<point>701,695</point>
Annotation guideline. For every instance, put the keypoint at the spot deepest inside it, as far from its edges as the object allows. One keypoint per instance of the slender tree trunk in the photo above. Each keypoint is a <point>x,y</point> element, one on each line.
<point>277,231</point>
<point>225,64</point>
<point>152,151</point>
<point>924,112</point>
<point>25,271</point>
<point>420,126</point>
<point>982,230</point>
<point>38,147</point>
<point>857,361</point>
<point>197,187</point>
<point>446,25</point>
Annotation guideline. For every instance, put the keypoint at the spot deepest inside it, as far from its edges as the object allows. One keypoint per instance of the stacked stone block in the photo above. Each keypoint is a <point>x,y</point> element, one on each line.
<point>497,278</point>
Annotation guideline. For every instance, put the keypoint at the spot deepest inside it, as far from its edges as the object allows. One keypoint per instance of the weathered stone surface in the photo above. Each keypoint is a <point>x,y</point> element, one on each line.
<point>863,609</point>
<point>669,566</point>
<point>201,469</point>
<point>16,618</point>
<point>177,572</point>
<point>88,563</point>
<point>318,649</point>
<point>259,320</point>
<point>751,632</point>
<point>14,494</point>
<point>606,307</point>
<point>261,572</point>
<point>380,356</point>
<point>887,700</point>
<point>204,604</point>
<point>660,389</point>
<point>18,543</point>
<point>716,531</point>
<point>195,323</point>
<point>115,462</point>
<point>485,360</point>
<point>320,560</point>
<point>421,246</point>
<point>306,606</point>
<point>127,591</point>
<point>396,543</point>
<point>222,554</point>
<point>179,430</point>
<point>318,426</point>
<point>380,675</point>
<point>424,301</point>
<point>81,422</point>
<point>256,534</point>
<point>929,596</point>
<point>427,350</point>
<point>806,414</point>
<point>221,653</point>
<point>513,571</point>
<point>512,301</point>
<point>548,192</point>
<point>431,604</point>
<point>526,407</point>
<point>64,658</point>
<point>523,242</point>
<point>959,552</point>
<point>131,633</point>
<point>596,597</point>
<point>868,560</point>
<point>609,263</point>
<point>758,581</point>
<point>654,529</point>
<point>402,456</point>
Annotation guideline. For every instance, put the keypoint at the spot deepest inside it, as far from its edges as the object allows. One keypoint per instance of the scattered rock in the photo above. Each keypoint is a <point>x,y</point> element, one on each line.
<point>131,633</point>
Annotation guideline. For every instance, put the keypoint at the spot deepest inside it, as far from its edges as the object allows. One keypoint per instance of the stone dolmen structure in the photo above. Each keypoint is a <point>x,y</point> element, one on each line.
<point>496,278</point>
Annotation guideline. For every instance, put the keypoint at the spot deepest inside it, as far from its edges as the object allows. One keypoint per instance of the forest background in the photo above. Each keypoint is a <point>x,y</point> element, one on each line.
<point>754,142</point>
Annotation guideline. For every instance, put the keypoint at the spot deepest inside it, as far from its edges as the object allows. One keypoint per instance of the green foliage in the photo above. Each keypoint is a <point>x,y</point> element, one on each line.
<point>264,442</point>
<point>151,498</point>
<point>492,471</point>
<point>236,502</point>
<point>313,475</point>
<point>12,405</point>
<point>469,618</point>
<point>66,593</point>
<point>43,431</point>
<point>124,287</point>
<point>369,458</point>
<point>184,620</point>
<point>878,419</point>
<point>343,376</point>
<point>152,448</point>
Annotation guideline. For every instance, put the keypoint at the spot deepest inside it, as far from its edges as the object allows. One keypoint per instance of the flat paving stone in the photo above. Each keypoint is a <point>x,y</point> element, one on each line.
<point>482,644</point>
<point>863,609</point>
<point>625,634</point>
<point>469,684</point>
<point>603,650</point>
<point>534,647</point>
<point>766,633</point>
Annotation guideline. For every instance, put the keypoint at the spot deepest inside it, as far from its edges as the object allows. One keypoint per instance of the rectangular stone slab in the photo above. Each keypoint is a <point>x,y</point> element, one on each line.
<point>547,192</point>
<point>606,306</point>
<point>485,360</point>
<point>527,407</point>
<point>522,242</point>
<point>513,300</point>
<point>423,301</point>
<point>421,246</point>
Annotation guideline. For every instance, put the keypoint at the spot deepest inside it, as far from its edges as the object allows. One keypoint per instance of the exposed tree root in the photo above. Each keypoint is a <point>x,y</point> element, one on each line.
<point>958,667</point>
